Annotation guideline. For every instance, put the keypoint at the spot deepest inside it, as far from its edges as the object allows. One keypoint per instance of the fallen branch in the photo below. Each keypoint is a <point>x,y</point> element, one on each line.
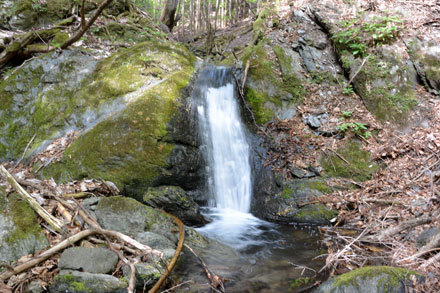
<point>48,253</point>
<point>403,226</point>
<point>55,223</point>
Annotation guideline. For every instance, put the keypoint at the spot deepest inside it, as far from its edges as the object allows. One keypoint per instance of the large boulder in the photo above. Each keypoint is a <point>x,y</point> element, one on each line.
<point>130,111</point>
<point>20,232</point>
<point>370,280</point>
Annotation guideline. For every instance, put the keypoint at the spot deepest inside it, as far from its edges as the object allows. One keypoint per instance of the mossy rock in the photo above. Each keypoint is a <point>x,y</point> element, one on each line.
<point>370,280</point>
<point>131,217</point>
<point>285,207</point>
<point>83,282</point>
<point>386,83</point>
<point>40,99</point>
<point>360,167</point>
<point>20,231</point>
<point>267,94</point>
<point>139,91</point>
<point>426,58</point>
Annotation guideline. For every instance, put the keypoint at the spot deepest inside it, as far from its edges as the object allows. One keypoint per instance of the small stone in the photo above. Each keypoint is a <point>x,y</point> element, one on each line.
<point>301,173</point>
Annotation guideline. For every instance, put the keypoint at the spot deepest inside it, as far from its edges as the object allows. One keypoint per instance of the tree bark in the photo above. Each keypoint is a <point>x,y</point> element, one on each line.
<point>169,14</point>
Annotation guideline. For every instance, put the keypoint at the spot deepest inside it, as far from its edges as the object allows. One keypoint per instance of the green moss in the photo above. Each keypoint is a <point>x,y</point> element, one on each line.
<point>388,100</point>
<point>59,39</point>
<point>391,280</point>
<point>316,211</point>
<point>267,87</point>
<point>23,216</point>
<point>360,167</point>
<point>286,193</point>
<point>70,280</point>
<point>318,185</point>
<point>300,282</point>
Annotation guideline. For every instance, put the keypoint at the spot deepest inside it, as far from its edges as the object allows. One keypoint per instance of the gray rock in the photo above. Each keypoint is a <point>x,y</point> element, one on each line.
<point>426,236</point>
<point>34,287</point>
<point>131,217</point>
<point>158,242</point>
<point>315,121</point>
<point>426,58</point>
<point>176,201</point>
<point>146,275</point>
<point>301,173</point>
<point>370,280</point>
<point>81,282</point>
<point>91,260</point>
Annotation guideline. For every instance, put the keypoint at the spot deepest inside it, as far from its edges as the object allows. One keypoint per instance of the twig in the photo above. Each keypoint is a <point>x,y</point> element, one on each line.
<point>215,281</point>
<point>359,70</point>
<point>177,286</point>
<point>340,157</point>
<point>55,223</point>
<point>26,149</point>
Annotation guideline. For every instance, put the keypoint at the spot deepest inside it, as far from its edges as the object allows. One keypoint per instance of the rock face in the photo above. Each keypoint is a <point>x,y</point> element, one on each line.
<point>20,233</point>
<point>91,260</point>
<point>174,200</point>
<point>370,280</point>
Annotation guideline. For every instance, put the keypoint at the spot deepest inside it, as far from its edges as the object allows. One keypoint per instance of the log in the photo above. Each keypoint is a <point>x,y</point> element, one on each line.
<point>55,223</point>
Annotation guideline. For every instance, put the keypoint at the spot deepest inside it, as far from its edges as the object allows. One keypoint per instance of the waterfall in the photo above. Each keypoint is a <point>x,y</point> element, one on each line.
<point>227,155</point>
<point>227,148</point>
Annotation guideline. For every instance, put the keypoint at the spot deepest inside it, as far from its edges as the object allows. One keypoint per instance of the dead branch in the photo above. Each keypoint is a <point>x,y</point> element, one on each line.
<point>77,195</point>
<point>48,253</point>
<point>176,255</point>
<point>84,28</point>
<point>215,281</point>
<point>403,226</point>
<point>55,223</point>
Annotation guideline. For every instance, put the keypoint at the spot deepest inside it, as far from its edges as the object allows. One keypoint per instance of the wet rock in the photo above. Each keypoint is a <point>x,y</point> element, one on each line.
<point>426,236</point>
<point>146,275</point>
<point>285,206</point>
<point>176,201</point>
<point>370,280</point>
<point>157,241</point>
<point>91,260</point>
<point>20,232</point>
<point>74,282</point>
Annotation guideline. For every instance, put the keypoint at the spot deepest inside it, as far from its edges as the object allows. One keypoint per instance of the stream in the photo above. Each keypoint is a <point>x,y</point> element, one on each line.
<point>265,257</point>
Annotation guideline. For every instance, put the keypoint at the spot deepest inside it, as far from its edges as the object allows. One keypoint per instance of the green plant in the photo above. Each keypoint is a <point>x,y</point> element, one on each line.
<point>346,114</point>
<point>357,128</point>
<point>348,90</point>
<point>357,35</point>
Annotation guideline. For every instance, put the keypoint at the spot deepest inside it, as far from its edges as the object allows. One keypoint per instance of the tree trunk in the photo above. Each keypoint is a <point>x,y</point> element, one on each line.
<point>168,16</point>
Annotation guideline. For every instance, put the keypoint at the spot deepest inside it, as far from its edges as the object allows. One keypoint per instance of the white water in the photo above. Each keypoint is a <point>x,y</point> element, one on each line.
<point>229,168</point>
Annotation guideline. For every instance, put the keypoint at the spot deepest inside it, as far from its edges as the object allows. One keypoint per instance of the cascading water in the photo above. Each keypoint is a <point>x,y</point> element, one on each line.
<point>228,162</point>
